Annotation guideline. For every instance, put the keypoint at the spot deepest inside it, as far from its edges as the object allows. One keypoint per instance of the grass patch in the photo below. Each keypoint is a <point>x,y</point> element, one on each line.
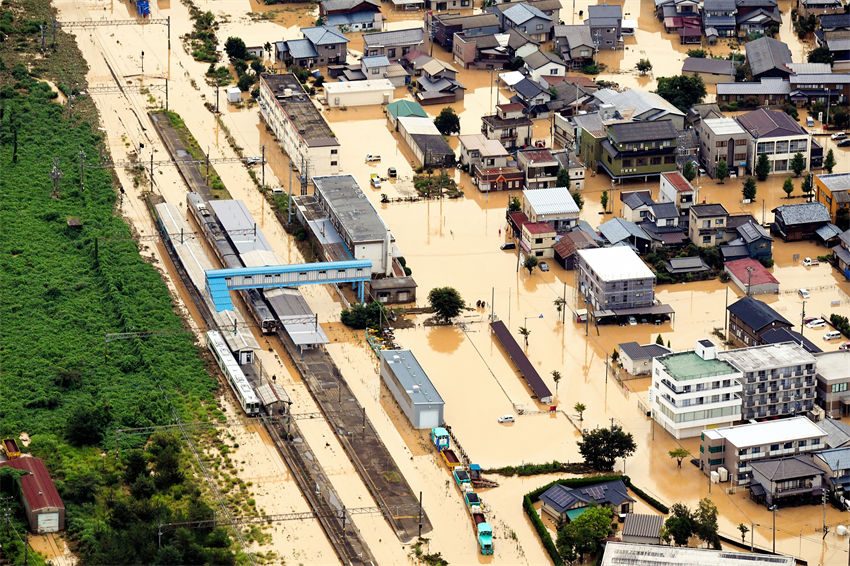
<point>215,183</point>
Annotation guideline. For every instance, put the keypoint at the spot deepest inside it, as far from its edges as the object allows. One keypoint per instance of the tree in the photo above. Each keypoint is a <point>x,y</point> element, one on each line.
<point>360,316</point>
<point>689,171</point>
<point>821,55</point>
<point>749,190</point>
<point>580,408</point>
<point>446,302</point>
<point>744,530</point>
<point>560,303</point>
<point>514,205</point>
<point>680,524</point>
<point>563,179</point>
<point>578,198</point>
<point>604,200</point>
<point>556,377</point>
<point>842,219</point>
<point>659,340</point>
<point>235,48</point>
<point>525,333</point>
<point>585,534</point>
<point>682,91</point>
<point>87,424</point>
<point>643,66</point>
<point>762,167</point>
<point>447,122</point>
<point>829,161</point>
<point>705,518</point>
<point>697,53</point>
<point>722,171</point>
<point>808,185</point>
<point>530,263</point>
<point>788,187</point>
<point>679,454</point>
<point>601,447</point>
<point>798,164</point>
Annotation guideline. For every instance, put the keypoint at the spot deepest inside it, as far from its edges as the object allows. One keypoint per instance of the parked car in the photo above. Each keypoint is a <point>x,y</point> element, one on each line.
<point>810,122</point>
<point>277,190</point>
<point>845,347</point>
<point>508,246</point>
<point>375,180</point>
<point>372,157</point>
<point>808,262</point>
<point>543,266</point>
<point>816,323</point>
<point>838,135</point>
<point>506,419</point>
<point>252,160</point>
<point>804,293</point>
<point>632,321</point>
<point>843,143</point>
<point>392,173</point>
<point>832,335</point>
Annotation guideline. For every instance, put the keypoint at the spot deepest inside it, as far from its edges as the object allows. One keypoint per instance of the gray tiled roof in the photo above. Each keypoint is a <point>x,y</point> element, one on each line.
<point>521,13</point>
<point>641,525</point>
<point>636,199</point>
<point>617,230</point>
<point>837,432</point>
<point>636,351</point>
<point>397,37</point>
<point>665,210</point>
<point>802,213</point>
<point>630,132</point>
<point>765,54</point>
<point>755,313</point>
<point>763,123</point>
<point>301,49</point>
<point>705,65</point>
<point>324,35</point>
<point>751,232</point>
<point>764,86</point>
<point>786,468</point>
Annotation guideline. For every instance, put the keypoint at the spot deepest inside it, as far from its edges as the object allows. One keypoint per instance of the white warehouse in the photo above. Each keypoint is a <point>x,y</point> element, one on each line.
<point>414,392</point>
<point>346,94</point>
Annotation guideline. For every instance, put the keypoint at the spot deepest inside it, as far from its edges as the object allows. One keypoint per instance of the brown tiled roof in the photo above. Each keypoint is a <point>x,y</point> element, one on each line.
<point>573,241</point>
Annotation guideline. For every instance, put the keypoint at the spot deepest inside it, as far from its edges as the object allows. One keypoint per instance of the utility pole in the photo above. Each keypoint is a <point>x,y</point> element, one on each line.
<point>420,514</point>
<point>802,323</point>
<point>216,98</point>
<point>773,508</point>
<point>166,95</point>
<point>823,505</point>
<point>289,202</point>
<point>263,166</point>
<point>143,62</point>
<point>55,176</point>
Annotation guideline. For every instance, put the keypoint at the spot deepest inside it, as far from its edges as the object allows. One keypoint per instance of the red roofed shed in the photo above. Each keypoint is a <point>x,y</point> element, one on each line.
<point>44,507</point>
<point>752,277</point>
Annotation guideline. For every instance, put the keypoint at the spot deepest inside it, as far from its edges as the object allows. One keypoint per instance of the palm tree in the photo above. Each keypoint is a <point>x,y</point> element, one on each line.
<point>560,303</point>
<point>556,377</point>
<point>525,333</point>
<point>580,408</point>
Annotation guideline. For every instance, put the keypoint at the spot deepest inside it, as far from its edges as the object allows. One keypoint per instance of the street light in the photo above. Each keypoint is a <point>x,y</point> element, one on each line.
<point>525,319</point>
<point>773,508</point>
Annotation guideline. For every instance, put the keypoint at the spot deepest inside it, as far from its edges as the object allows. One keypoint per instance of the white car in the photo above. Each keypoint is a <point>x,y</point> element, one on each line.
<point>808,262</point>
<point>816,323</point>
<point>632,321</point>
<point>543,266</point>
<point>804,293</point>
<point>372,157</point>
<point>506,419</point>
<point>832,335</point>
<point>838,135</point>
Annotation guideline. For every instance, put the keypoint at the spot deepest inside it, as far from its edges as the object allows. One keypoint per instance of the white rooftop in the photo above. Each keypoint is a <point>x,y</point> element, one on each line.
<point>724,126</point>
<point>551,201</point>
<point>615,264</point>
<point>621,553</point>
<point>416,125</point>
<point>358,86</point>
<point>479,142</point>
<point>769,432</point>
<point>768,356</point>
<point>833,365</point>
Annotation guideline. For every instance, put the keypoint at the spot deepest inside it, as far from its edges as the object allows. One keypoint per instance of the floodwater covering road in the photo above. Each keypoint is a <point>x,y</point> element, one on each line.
<point>455,243</point>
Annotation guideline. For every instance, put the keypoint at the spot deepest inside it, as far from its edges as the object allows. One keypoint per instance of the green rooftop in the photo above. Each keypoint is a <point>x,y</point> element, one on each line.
<point>406,108</point>
<point>685,366</point>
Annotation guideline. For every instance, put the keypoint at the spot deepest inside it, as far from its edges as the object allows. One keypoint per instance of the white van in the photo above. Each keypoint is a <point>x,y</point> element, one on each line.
<point>832,335</point>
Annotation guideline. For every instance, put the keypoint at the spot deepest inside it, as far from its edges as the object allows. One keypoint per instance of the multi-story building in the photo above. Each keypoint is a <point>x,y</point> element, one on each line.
<point>791,480</point>
<point>765,92</point>
<point>735,447</point>
<point>693,390</point>
<point>537,238</point>
<point>509,125</point>
<point>799,221</point>
<point>749,318</point>
<point>526,18</point>
<point>778,379</point>
<point>555,205</point>
<point>443,27</point>
<point>355,15</point>
<point>676,189</point>
<point>841,253</point>
<point>540,168</point>
<point>723,139</point>
<point>833,378</point>
<point>639,149</point>
<point>777,135</point>
<point>615,278</point>
<point>574,167</point>
<point>575,44</point>
<point>300,129</point>
<point>393,44</point>
<point>707,225</point>
<point>606,25</point>
<point>833,191</point>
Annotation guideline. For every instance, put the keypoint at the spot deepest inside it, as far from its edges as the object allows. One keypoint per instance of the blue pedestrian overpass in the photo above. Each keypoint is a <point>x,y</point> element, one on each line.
<point>220,282</point>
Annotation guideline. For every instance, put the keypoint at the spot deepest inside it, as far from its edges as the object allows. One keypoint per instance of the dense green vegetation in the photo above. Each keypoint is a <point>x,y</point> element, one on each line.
<point>202,41</point>
<point>63,290</point>
<point>194,148</point>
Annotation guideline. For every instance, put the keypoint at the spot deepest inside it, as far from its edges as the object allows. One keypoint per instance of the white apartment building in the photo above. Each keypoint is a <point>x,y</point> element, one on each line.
<point>777,135</point>
<point>694,390</point>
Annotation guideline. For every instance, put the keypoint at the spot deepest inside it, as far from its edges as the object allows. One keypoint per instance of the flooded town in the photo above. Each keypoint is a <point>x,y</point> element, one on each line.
<point>425,282</point>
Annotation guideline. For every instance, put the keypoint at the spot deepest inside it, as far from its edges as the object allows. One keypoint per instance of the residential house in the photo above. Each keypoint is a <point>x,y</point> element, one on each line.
<point>540,168</point>
<point>768,57</point>
<point>712,71</point>
<point>681,17</point>
<point>570,97</point>
<point>537,238</point>
<point>555,206</point>
<point>760,21</point>
<point>543,63</point>
<point>693,266</point>
<point>642,528</point>
<point>752,241</point>
<point>723,139</point>
<point>531,95</point>
<point>618,231</point>
<point>425,142</point>
<point>792,480</point>
<point>793,222</point>
<point>408,5</point>
<point>301,131</point>
<point>403,109</point>
<point>565,249</point>
<point>636,359</point>
<point>327,46</point>
<point>833,191</point>
<point>438,84</point>
<point>551,8</point>
<point>777,135</point>
<point>487,161</point>
<point>635,205</point>
<point>720,16</point>
<point>640,106</point>
<point>575,44</point>
<point>835,464</point>
<point>509,125</point>
<point>616,279</point>
<point>589,133</point>
<point>507,178</point>
<point>678,190</point>
<point>564,503</point>
<point>352,15</point>
<point>749,318</point>
<point>752,94</point>
<point>819,7</point>
<point>492,51</point>
<point>699,112</point>
<point>838,43</point>
<point>374,67</point>
<point>526,18</point>
<point>694,390</point>
<point>819,87</point>
<point>841,252</point>
<point>639,149</point>
<point>348,94</point>
<point>833,378</point>
<point>443,27</point>
<point>662,225</point>
<point>707,224</point>
<point>778,379</point>
<point>736,448</point>
<point>837,432</point>
<point>296,52</point>
<point>393,44</point>
<point>573,166</point>
<point>605,22</point>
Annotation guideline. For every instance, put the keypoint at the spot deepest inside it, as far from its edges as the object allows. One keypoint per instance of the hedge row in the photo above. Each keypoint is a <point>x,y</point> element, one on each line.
<point>552,467</point>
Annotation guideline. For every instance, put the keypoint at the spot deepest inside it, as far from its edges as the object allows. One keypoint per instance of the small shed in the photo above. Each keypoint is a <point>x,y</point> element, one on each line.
<point>642,529</point>
<point>234,95</point>
<point>414,392</point>
<point>751,277</point>
<point>44,508</point>
<point>358,93</point>
<point>393,290</point>
<point>637,359</point>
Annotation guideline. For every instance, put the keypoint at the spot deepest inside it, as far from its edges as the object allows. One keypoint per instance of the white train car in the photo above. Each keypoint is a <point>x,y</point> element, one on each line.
<point>238,382</point>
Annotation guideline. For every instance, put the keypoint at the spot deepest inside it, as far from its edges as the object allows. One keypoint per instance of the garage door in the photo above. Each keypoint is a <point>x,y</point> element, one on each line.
<point>429,419</point>
<point>48,522</point>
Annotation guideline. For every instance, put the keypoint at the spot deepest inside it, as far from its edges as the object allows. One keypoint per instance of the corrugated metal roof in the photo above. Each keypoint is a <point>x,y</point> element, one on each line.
<point>523,364</point>
<point>37,486</point>
<point>409,373</point>
<point>551,201</point>
<point>641,525</point>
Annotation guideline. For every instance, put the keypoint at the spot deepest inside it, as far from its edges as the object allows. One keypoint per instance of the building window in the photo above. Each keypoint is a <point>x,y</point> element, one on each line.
<point>333,163</point>
<point>782,147</point>
<point>765,147</point>
<point>539,27</point>
<point>706,239</point>
<point>798,146</point>
<point>774,447</point>
<point>839,387</point>
<point>780,165</point>
<point>334,151</point>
